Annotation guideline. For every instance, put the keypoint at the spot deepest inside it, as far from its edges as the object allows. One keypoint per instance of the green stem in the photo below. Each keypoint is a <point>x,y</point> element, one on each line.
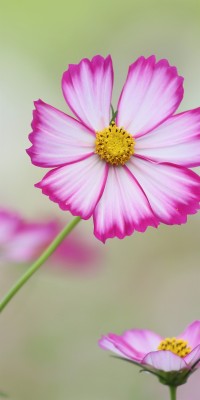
<point>39,262</point>
<point>172,392</point>
<point>114,114</point>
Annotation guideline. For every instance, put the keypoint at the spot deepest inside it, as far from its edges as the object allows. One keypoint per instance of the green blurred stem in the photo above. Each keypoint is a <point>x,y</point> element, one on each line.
<point>172,392</point>
<point>114,114</point>
<point>39,262</point>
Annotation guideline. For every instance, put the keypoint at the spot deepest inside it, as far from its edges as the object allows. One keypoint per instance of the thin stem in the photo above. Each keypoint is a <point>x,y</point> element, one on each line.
<point>172,392</point>
<point>39,262</point>
<point>114,114</point>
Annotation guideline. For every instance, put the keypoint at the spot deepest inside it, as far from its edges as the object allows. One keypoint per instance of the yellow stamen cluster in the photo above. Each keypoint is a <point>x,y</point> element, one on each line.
<point>114,145</point>
<point>176,346</point>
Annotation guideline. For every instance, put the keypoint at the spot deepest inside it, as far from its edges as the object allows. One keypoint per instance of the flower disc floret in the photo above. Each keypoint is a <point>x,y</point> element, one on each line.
<point>176,346</point>
<point>114,145</point>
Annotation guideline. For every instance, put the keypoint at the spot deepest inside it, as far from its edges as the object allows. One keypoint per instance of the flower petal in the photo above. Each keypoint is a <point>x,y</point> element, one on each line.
<point>192,334</point>
<point>173,191</point>
<point>76,187</point>
<point>57,138</point>
<point>122,208</point>
<point>106,343</point>
<point>87,88</point>
<point>142,340</point>
<point>30,241</point>
<point>164,360</point>
<point>119,346</point>
<point>193,357</point>
<point>10,223</point>
<point>152,92</point>
<point>177,140</point>
<point>85,260</point>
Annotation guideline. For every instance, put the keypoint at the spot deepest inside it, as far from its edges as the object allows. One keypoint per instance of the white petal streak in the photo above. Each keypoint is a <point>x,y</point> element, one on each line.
<point>173,191</point>
<point>177,140</point>
<point>76,187</point>
<point>123,207</point>
<point>87,88</point>
<point>152,92</point>
<point>56,138</point>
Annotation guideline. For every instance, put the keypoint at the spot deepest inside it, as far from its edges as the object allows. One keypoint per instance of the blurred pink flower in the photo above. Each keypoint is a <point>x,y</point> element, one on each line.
<point>128,174</point>
<point>22,241</point>
<point>191,390</point>
<point>172,359</point>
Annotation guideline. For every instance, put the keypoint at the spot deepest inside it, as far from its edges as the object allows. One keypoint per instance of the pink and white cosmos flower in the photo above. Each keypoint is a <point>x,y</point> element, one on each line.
<point>22,241</point>
<point>128,173</point>
<point>170,358</point>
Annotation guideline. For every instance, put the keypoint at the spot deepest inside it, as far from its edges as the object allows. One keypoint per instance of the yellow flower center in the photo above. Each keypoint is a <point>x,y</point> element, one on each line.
<point>114,145</point>
<point>176,346</point>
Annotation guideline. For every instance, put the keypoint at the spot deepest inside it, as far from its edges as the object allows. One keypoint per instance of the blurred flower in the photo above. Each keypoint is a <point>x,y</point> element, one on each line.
<point>171,359</point>
<point>22,241</point>
<point>191,390</point>
<point>128,174</point>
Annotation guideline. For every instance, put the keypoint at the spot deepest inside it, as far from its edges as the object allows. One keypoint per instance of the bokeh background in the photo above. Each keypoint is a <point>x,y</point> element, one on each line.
<point>49,332</point>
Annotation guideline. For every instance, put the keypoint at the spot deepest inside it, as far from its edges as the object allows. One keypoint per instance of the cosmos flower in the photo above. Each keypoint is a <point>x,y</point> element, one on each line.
<point>128,172</point>
<point>22,241</point>
<point>171,359</point>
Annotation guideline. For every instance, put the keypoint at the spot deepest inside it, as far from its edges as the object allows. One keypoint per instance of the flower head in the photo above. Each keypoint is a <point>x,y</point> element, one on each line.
<point>21,241</point>
<point>128,172</point>
<point>171,359</point>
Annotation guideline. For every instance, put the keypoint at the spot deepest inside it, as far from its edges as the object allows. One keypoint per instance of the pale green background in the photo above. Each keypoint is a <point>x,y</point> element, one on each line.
<point>49,333</point>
